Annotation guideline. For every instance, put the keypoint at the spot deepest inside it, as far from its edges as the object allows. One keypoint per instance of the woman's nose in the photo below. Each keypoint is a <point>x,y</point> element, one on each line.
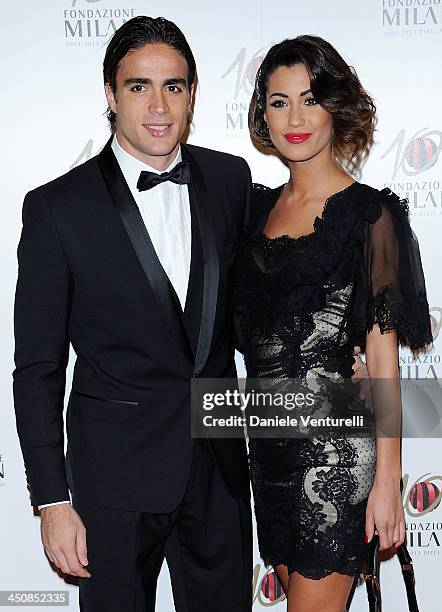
<point>296,118</point>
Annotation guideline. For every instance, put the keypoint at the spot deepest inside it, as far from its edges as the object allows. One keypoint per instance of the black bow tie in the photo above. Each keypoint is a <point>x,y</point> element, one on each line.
<point>180,174</point>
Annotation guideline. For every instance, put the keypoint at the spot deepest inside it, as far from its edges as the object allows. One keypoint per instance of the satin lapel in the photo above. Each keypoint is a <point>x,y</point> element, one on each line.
<point>142,244</point>
<point>199,196</point>
<point>194,297</point>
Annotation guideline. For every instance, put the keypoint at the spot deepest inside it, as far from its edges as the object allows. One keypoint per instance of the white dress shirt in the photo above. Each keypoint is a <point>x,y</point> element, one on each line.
<point>165,210</point>
<point>166,214</point>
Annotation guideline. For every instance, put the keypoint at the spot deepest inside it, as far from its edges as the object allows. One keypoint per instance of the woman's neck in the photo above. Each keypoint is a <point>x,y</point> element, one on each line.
<point>320,174</point>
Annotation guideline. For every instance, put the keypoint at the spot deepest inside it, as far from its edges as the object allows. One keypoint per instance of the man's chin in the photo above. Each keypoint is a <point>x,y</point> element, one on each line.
<point>160,149</point>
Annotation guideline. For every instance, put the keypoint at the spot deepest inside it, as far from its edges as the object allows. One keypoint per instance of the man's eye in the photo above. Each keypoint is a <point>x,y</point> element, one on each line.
<point>277,104</point>
<point>310,102</point>
<point>137,88</point>
<point>174,89</point>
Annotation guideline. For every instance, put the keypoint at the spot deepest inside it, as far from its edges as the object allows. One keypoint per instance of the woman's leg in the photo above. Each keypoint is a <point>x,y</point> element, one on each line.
<point>327,594</point>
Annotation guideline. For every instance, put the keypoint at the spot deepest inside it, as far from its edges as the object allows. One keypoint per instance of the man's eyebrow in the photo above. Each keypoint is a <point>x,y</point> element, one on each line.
<point>147,81</point>
<point>133,80</point>
<point>175,81</point>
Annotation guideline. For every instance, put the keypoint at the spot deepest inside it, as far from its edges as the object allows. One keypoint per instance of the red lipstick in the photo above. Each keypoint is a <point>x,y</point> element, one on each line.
<point>297,138</point>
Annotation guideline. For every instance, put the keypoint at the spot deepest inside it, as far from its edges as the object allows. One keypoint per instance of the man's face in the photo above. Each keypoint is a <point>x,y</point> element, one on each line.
<point>152,103</point>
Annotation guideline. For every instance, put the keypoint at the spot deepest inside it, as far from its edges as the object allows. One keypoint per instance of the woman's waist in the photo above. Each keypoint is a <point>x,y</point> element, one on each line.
<point>267,358</point>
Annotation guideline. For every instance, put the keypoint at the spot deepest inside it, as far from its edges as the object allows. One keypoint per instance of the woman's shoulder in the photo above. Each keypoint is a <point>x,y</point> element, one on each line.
<point>263,191</point>
<point>264,198</point>
<point>374,203</point>
<point>259,188</point>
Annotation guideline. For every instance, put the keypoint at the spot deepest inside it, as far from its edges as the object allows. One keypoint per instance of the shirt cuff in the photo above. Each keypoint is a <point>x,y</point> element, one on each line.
<point>54,504</point>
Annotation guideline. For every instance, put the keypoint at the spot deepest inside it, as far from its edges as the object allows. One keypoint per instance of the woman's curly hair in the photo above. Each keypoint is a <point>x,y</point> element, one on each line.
<point>334,85</point>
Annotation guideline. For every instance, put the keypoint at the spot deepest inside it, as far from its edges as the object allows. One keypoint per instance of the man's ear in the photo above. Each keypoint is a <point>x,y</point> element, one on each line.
<point>110,97</point>
<point>191,102</point>
<point>192,96</point>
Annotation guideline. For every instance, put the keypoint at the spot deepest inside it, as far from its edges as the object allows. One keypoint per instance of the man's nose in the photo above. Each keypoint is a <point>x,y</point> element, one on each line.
<point>158,104</point>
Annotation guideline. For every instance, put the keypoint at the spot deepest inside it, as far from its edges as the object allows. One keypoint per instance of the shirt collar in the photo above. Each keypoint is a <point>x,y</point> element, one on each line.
<point>131,166</point>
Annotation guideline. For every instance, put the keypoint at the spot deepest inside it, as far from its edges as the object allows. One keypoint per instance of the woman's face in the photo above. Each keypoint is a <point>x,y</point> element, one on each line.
<point>299,128</point>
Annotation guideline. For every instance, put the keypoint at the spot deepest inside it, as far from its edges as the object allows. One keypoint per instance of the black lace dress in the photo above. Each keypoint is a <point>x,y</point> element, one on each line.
<point>301,306</point>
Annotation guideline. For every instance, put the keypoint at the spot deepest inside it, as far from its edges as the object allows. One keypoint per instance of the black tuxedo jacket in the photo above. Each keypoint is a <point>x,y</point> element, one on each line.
<point>89,275</point>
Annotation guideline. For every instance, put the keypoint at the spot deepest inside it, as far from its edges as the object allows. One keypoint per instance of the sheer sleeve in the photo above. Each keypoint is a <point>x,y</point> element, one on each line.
<point>394,294</point>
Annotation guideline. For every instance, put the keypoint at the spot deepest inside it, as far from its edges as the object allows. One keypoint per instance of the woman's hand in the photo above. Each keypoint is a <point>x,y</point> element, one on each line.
<point>385,514</point>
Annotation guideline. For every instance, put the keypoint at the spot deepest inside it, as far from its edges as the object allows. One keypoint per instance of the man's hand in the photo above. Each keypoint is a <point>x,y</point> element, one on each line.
<point>64,539</point>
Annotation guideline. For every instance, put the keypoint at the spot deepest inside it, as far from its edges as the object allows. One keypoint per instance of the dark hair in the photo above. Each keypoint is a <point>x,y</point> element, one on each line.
<point>334,85</point>
<point>136,33</point>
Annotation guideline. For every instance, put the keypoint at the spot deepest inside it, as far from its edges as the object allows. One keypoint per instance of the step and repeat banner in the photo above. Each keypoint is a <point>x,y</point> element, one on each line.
<point>53,119</point>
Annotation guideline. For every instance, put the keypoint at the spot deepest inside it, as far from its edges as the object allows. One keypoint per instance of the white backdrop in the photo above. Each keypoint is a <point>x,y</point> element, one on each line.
<point>52,107</point>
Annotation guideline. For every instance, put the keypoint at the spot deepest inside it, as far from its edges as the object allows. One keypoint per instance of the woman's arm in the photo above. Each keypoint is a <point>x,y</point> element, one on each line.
<point>385,513</point>
<point>396,303</point>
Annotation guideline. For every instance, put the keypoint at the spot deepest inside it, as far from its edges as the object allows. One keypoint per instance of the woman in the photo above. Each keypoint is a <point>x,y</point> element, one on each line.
<point>328,263</point>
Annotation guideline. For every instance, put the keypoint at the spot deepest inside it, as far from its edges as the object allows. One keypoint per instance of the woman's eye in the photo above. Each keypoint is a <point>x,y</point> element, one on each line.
<point>310,102</point>
<point>277,103</point>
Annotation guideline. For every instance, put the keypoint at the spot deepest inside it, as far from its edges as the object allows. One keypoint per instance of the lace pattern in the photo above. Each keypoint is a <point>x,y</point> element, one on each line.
<point>301,305</point>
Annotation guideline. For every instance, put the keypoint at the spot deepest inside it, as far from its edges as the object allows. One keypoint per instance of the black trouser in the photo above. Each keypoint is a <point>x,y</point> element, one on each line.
<point>207,542</point>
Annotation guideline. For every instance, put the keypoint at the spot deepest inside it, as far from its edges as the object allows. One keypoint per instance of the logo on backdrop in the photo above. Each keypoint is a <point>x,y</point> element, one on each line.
<point>436,320</point>
<point>411,157</point>
<point>2,472</point>
<point>400,17</point>
<point>267,590</point>
<point>423,366</point>
<point>241,73</point>
<point>89,25</point>
<point>85,154</point>
<point>416,154</point>
<point>422,497</point>
<point>74,2</point>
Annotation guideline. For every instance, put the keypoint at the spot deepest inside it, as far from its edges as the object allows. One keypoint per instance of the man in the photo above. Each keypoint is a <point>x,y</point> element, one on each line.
<point>129,258</point>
